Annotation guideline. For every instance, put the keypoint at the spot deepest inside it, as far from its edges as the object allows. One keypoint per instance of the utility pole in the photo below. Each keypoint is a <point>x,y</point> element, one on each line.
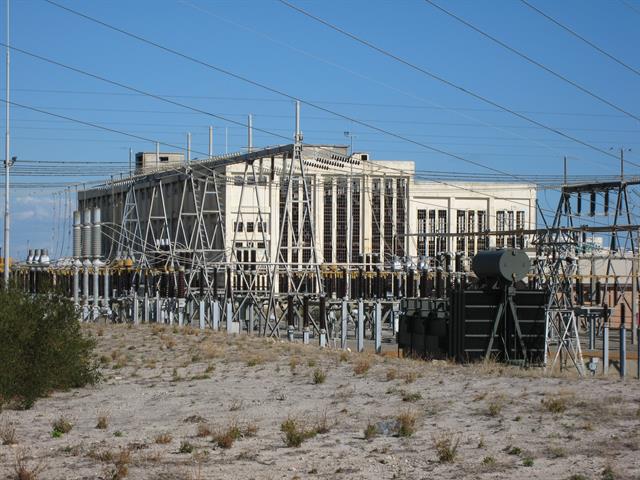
<point>7,165</point>
<point>210,142</point>
<point>130,167</point>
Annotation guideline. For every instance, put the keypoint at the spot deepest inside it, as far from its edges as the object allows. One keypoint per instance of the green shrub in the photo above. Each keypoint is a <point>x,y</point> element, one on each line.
<point>42,348</point>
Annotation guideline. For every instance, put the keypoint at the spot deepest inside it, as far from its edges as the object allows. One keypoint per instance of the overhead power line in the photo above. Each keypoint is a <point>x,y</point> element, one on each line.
<point>580,37</point>
<point>204,112</point>
<point>313,105</point>
<point>441,79</point>
<point>532,61</point>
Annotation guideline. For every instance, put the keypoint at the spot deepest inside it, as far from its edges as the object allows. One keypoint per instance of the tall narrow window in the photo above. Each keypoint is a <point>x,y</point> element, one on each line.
<point>341,221</point>
<point>327,236</point>
<point>483,240</point>
<point>443,227</point>
<point>500,226</point>
<point>520,226</point>
<point>388,218</point>
<point>471,227</point>
<point>401,192</point>
<point>461,224</point>
<point>432,229</point>
<point>422,228</point>
<point>355,222</point>
<point>376,218</point>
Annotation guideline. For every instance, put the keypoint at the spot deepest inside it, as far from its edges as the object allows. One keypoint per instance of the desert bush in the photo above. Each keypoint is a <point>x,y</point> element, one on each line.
<point>226,436</point>
<point>42,348</point>
<point>319,376</point>
<point>446,446</point>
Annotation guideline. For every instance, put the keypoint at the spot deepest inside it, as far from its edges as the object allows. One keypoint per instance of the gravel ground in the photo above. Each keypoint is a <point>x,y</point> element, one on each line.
<point>183,404</point>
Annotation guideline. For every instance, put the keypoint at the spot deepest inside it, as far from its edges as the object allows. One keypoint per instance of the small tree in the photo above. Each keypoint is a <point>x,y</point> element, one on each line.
<point>42,348</point>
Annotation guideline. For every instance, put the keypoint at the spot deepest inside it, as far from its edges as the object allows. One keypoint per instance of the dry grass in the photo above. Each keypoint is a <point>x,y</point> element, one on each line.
<point>103,421</point>
<point>7,432</point>
<point>446,446</point>
<point>121,462</point>
<point>495,406</point>
<point>226,436</point>
<point>556,404</point>
<point>370,431</point>
<point>392,374</point>
<point>203,430</point>
<point>61,426</point>
<point>319,376</point>
<point>295,432</point>
<point>406,423</point>
<point>362,366</point>
<point>22,469</point>
<point>163,438</point>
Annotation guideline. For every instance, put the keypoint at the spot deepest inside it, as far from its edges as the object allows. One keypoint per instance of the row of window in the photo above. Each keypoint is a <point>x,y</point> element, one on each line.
<point>250,227</point>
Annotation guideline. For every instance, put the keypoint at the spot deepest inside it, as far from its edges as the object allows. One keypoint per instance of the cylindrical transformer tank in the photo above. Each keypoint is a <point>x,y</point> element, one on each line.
<point>30,257</point>
<point>77,226</point>
<point>86,234</point>
<point>96,234</point>
<point>508,265</point>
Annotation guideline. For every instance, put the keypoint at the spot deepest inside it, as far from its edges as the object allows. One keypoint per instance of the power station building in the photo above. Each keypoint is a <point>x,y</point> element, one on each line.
<point>351,208</point>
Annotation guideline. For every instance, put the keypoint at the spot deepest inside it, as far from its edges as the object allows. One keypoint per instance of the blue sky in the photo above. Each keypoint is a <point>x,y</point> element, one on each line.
<point>270,43</point>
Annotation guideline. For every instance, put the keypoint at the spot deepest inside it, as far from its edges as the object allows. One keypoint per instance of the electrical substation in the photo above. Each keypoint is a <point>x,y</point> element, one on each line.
<point>315,243</point>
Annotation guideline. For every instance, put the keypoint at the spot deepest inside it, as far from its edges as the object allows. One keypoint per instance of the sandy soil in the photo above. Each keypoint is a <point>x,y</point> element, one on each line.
<point>188,388</point>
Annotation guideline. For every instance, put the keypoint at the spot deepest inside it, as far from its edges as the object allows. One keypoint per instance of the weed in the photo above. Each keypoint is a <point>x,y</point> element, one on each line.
<point>488,461</point>
<point>203,430</point>
<point>494,408</point>
<point>185,447</point>
<point>512,450</point>
<point>255,360</point>
<point>556,452</point>
<point>362,366</point>
<point>295,432</point>
<point>311,362</point>
<point>162,438</point>
<point>527,462</point>
<point>22,469</point>
<point>392,374</point>
<point>61,426</point>
<point>236,405</point>
<point>406,423</point>
<point>103,421</point>
<point>370,431</point>
<point>118,433</point>
<point>319,376</point>
<point>411,397</point>
<point>225,437</point>
<point>293,363</point>
<point>344,356</point>
<point>410,377</point>
<point>577,476</point>
<point>446,446</point>
<point>608,473</point>
<point>557,404</point>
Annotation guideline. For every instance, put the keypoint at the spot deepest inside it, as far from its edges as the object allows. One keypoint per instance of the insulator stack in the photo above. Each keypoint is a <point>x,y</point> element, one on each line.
<point>77,225</point>
<point>182,284</point>
<point>96,234</point>
<point>86,234</point>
